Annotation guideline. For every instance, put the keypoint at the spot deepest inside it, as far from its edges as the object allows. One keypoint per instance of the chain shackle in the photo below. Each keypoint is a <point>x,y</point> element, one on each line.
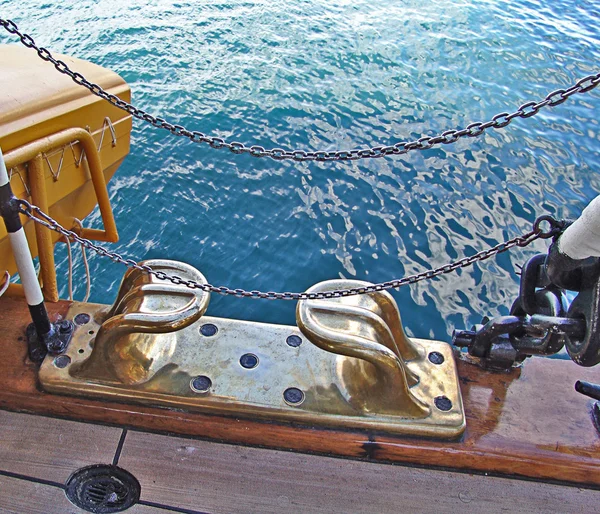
<point>555,226</point>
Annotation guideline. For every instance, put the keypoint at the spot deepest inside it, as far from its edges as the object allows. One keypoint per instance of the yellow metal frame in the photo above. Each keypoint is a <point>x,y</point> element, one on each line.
<point>31,154</point>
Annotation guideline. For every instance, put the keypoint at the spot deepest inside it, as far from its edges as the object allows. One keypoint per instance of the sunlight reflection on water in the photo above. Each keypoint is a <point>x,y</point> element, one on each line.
<point>338,75</point>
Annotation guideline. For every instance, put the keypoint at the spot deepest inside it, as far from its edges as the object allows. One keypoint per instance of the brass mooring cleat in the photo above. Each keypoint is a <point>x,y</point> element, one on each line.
<point>349,364</point>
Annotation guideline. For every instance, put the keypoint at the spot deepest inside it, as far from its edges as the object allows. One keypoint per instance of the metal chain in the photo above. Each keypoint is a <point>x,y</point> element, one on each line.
<point>500,120</point>
<point>37,215</point>
<point>451,136</point>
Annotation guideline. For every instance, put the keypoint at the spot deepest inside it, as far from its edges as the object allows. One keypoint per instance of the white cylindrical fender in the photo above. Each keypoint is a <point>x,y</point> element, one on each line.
<point>582,239</point>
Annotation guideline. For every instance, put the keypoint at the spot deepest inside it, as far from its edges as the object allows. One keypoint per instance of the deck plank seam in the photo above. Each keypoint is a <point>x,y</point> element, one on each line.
<point>368,445</point>
<point>170,508</point>
<point>28,478</point>
<point>57,485</point>
<point>119,449</point>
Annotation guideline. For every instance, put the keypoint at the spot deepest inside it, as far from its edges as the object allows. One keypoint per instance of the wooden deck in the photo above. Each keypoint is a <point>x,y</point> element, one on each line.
<point>37,455</point>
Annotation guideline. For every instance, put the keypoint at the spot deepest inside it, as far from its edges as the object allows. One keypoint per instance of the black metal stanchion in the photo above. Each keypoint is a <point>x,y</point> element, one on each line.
<point>42,335</point>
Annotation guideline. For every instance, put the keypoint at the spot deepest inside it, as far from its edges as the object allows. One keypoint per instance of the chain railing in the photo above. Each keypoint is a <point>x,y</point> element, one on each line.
<point>451,136</point>
<point>498,121</point>
<point>555,227</point>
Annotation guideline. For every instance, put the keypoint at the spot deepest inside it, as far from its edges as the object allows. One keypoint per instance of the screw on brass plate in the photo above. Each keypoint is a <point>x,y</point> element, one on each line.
<point>62,361</point>
<point>201,384</point>
<point>64,326</point>
<point>293,396</point>
<point>294,341</point>
<point>436,357</point>
<point>82,318</point>
<point>443,403</point>
<point>208,329</point>
<point>249,361</point>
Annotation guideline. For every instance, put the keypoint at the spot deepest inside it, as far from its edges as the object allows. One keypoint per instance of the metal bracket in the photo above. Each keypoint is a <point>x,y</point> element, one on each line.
<point>541,321</point>
<point>592,391</point>
<point>584,348</point>
<point>54,344</point>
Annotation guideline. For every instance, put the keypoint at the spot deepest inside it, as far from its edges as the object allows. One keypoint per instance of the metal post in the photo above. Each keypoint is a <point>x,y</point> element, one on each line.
<point>43,336</point>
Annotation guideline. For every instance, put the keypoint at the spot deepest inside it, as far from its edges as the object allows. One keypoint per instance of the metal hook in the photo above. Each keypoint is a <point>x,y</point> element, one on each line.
<point>56,174</point>
<point>10,175</point>
<point>113,135</point>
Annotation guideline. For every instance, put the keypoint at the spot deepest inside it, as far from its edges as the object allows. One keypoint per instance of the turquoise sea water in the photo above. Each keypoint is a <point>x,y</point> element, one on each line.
<point>333,74</point>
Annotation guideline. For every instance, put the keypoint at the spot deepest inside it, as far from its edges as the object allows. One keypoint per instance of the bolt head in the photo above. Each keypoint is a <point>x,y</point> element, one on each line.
<point>62,361</point>
<point>436,357</point>
<point>201,384</point>
<point>293,396</point>
<point>208,329</point>
<point>82,318</point>
<point>249,361</point>
<point>294,341</point>
<point>443,403</point>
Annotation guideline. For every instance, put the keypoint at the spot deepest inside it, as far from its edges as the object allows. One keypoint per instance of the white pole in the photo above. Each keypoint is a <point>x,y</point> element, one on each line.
<point>22,255</point>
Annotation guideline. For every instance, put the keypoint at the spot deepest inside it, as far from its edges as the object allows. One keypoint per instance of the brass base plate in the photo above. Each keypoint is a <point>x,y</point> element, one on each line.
<point>257,392</point>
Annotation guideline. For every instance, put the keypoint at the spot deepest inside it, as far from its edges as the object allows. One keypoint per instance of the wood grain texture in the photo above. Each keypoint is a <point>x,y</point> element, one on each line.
<point>26,497</point>
<point>51,449</point>
<point>221,478</point>
<point>528,423</point>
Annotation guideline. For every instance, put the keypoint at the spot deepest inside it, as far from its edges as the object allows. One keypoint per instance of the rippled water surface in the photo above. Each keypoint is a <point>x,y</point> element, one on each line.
<point>332,74</point>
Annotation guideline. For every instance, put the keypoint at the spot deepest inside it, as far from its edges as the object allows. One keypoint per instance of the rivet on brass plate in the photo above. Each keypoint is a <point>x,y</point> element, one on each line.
<point>443,403</point>
<point>294,341</point>
<point>82,318</point>
<point>201,384</point>
<point>249,361</point>
<point>436,357</point>
<point>293,396</point>
<point>208,329</point>
<point>62,361</point>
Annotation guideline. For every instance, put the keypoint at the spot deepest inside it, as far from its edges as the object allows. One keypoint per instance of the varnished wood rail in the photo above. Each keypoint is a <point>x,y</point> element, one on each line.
<point>527,423</point>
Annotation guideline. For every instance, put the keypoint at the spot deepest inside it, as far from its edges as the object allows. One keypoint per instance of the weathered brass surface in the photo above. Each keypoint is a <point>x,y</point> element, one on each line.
<point>371,375</point>
<point>139,334</point>
<point>366,331</point>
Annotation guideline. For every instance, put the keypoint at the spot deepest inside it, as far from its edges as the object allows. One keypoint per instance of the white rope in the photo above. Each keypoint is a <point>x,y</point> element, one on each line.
<point>88,278</point>
<point>70,257</point>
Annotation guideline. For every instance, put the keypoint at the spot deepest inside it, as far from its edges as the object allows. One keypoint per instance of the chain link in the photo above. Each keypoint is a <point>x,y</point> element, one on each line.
<point>424,143</point>
<point>37,215</point>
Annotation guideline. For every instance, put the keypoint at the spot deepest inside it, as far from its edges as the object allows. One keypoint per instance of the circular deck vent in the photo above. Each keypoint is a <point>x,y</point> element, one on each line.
<point>103,489</point>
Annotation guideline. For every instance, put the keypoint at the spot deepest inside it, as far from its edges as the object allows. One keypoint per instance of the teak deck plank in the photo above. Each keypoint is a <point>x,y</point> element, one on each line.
<point>528,423</point>
<point>51,449</point>
<point>24,497</point>
<point>220,478</point>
